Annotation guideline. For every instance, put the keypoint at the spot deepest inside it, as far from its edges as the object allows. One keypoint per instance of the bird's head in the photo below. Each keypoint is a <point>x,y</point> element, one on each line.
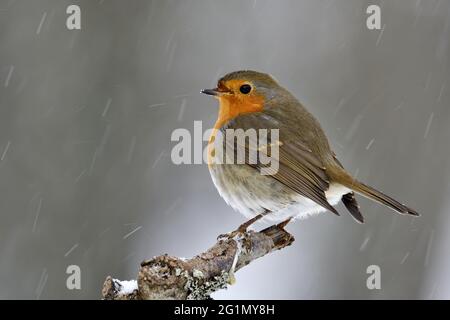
<point>243,92</point>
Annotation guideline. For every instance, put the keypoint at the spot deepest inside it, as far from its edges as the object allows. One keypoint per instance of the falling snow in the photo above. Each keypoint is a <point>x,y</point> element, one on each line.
<point>370,144</point>
<point>160,156</point>
<point>94,158</point>
<point>429,246</point>
<point>41,284</point>
<point>108,104</point>
<point>430,120</point>
<point>132,232</point>
<point>5,151</point>
<point>380,35</point>
<point>44,16</point>
<point>131,149</point>
<point>364,244</point>
<point>36,217</point>
<point>71,250</point>
<point>441,91</point>
<point>182,107</point>
<point>8,77</point>
<point>80,176</point>
<point>156,105</point>
<point>404,258</point>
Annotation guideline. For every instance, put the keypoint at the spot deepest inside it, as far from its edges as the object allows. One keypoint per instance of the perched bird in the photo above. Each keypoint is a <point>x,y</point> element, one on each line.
<point>309,179</point>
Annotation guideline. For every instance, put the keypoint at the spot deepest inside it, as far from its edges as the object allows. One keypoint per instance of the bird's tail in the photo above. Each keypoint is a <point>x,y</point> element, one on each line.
<point>341,176</point>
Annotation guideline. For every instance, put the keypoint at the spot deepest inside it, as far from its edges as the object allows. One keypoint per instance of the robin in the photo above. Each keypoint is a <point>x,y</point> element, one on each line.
<point>310,179</point>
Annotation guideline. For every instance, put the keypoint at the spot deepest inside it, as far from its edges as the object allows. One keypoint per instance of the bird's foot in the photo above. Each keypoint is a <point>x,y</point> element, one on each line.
<point>238,233</point>
<point>242,228</point>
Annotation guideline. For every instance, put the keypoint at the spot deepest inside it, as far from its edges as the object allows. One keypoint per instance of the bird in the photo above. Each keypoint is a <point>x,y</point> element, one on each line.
<point>309,178</point>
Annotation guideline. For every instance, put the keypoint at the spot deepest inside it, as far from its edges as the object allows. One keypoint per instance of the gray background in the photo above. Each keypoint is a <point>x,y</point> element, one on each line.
<point>86,118</point>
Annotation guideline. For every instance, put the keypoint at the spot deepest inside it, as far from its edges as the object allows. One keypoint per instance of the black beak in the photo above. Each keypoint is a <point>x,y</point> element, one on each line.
<point>211,92</point>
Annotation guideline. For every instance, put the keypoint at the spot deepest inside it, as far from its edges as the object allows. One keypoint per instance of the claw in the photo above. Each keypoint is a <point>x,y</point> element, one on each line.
<point>243,227</point>
<point>239,232</point>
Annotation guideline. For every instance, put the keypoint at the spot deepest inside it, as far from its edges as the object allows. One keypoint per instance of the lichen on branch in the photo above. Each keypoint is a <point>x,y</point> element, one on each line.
<point>166,277</point>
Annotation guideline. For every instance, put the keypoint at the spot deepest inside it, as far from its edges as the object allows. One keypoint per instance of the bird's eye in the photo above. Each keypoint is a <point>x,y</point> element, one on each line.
<point>245,88</point>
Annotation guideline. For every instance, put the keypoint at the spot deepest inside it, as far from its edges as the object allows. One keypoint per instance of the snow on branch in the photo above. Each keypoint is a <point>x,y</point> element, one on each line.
<point>165,277</point>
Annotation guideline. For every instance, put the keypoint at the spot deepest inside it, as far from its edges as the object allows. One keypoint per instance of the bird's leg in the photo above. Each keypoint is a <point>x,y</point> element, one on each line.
<point>243,227</point>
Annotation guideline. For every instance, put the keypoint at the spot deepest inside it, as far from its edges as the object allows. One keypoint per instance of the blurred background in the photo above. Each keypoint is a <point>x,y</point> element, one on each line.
<point>86,117</point>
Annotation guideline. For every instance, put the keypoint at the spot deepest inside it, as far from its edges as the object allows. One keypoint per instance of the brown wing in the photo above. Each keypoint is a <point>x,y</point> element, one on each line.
<point>299,169</point>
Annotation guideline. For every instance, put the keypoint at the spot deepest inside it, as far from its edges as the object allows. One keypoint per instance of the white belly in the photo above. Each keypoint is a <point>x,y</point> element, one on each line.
<point>304,207</point>
<point>251,194</point>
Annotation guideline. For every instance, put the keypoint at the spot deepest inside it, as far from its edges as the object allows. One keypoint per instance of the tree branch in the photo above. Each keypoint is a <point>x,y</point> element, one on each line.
<point>166,277</point>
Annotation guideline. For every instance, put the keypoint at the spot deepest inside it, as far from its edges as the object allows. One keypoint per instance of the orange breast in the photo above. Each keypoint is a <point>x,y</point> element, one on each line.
<point>231,106</point>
